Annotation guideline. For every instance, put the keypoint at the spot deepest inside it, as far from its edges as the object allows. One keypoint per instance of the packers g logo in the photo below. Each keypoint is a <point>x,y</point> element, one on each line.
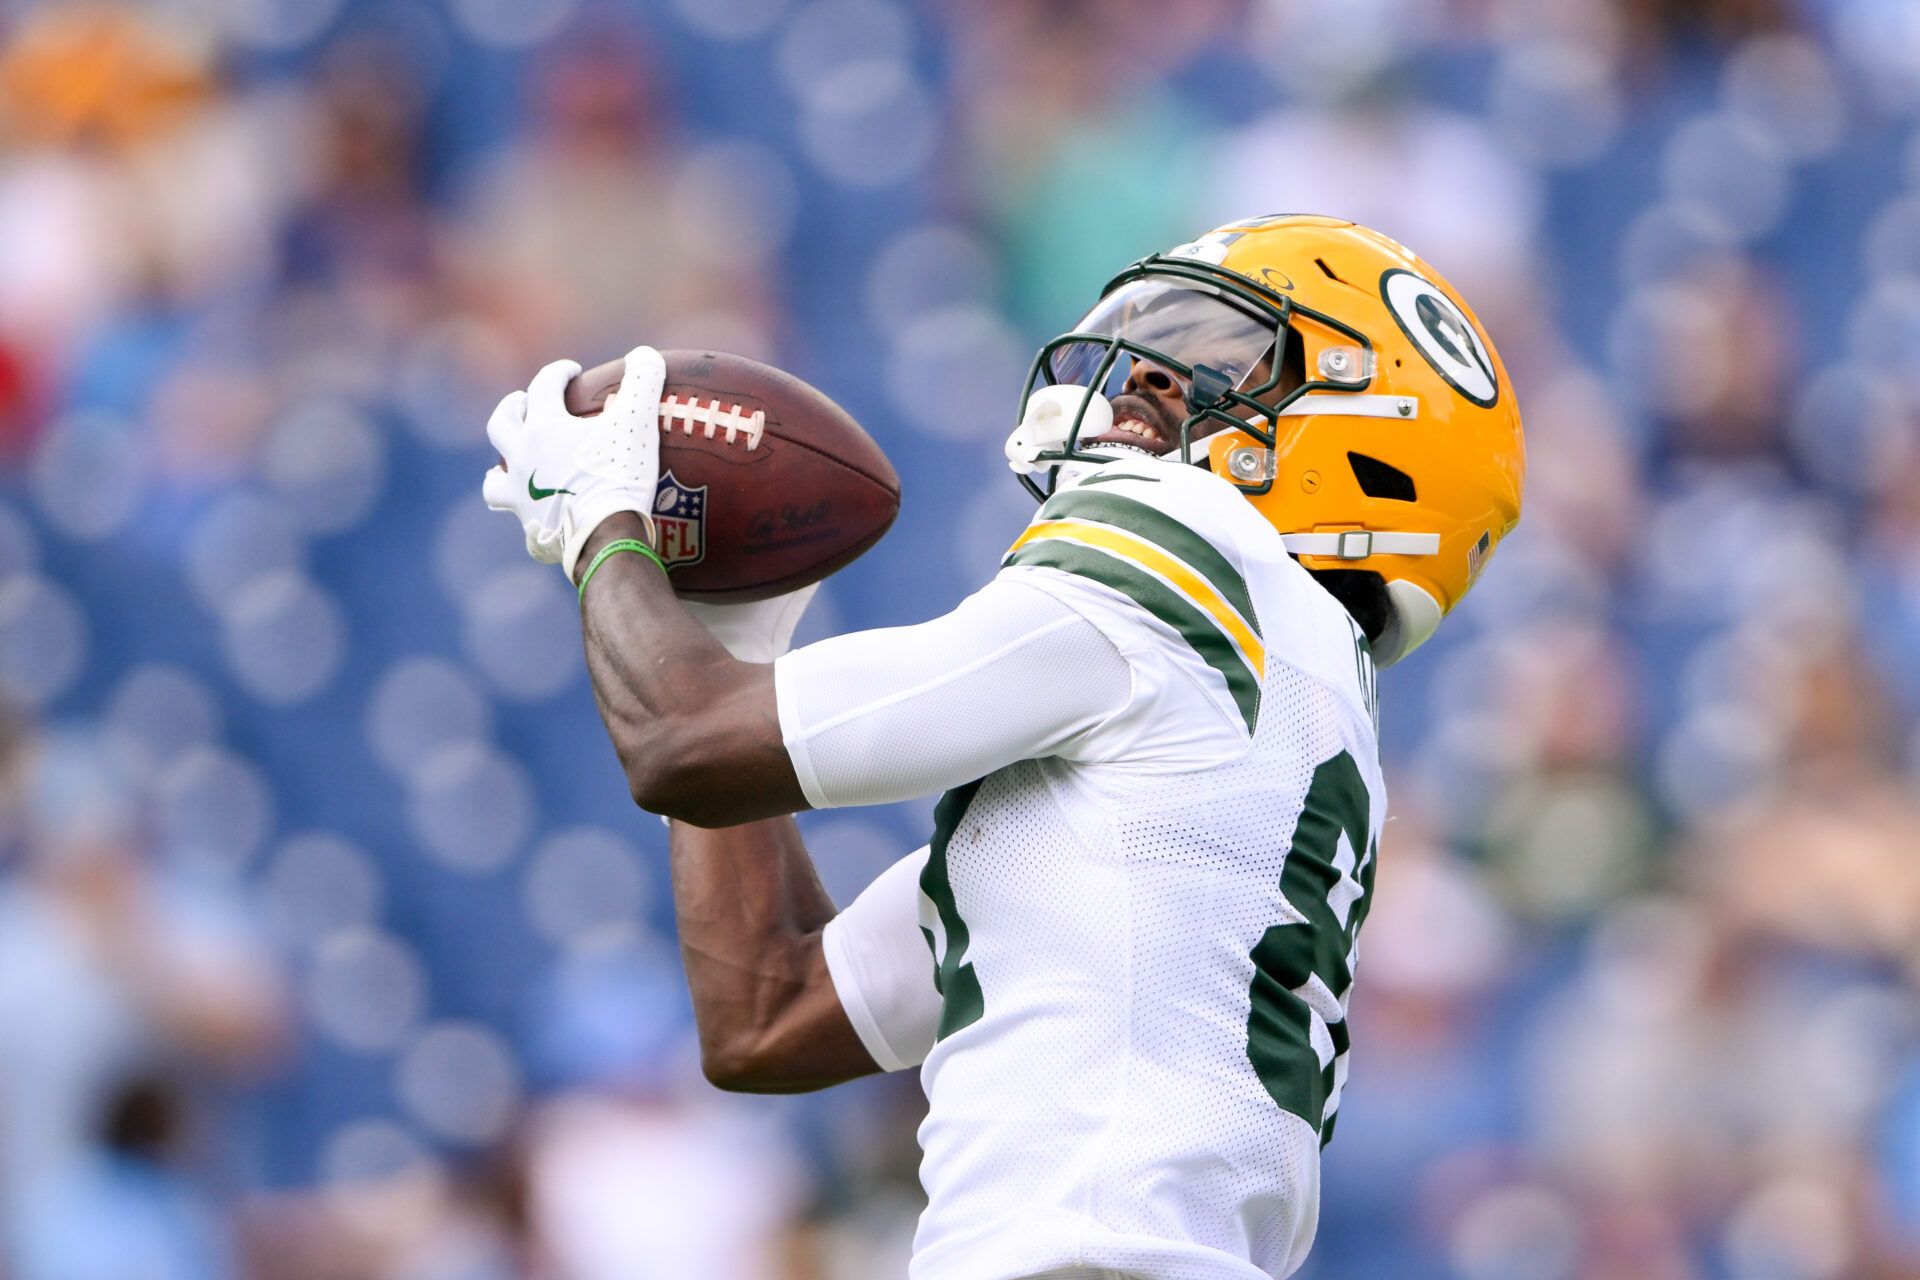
<point>1443,335</point>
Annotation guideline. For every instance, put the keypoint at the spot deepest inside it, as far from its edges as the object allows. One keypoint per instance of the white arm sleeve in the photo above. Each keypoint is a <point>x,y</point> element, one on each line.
<point>882,968</point>
<point>1012,674</point>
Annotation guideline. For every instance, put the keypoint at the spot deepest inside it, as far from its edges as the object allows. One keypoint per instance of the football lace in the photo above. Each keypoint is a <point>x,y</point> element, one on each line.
<point>713,416</point>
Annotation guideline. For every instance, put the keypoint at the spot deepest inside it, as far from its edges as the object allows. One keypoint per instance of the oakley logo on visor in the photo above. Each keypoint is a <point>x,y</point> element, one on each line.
<point>1442,334</point>
<point>1212,247</point>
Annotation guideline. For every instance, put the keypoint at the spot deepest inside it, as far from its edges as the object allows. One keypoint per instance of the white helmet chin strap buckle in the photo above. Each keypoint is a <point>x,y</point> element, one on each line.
<point>1048,419</point>
<point>1358,544</point>
<point>1415,613</point>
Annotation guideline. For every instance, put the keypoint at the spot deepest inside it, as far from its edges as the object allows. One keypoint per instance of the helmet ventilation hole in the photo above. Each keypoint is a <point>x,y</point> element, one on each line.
<point>1379,480</point>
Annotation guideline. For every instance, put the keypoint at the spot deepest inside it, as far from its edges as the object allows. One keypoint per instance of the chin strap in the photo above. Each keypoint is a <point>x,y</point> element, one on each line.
<point>1342,404</point>
<point>1358,544</point>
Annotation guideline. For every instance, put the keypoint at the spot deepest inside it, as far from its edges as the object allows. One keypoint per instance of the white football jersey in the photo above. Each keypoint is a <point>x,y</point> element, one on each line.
<point>1142,943</point>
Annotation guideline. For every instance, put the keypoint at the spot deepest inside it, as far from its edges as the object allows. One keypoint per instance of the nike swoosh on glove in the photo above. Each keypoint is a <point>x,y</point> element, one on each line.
<point>561,475</point>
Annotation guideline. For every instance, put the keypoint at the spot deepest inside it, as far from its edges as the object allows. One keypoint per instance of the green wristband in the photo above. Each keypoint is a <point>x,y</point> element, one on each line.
<point>614,548</point>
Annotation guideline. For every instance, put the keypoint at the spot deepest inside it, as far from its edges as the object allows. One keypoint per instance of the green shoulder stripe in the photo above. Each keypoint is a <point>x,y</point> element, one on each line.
<point>1163,602</point>
<point>1169,534</point>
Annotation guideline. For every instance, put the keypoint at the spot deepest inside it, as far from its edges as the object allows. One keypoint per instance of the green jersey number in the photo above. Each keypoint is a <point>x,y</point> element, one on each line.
<point>1301,969</point>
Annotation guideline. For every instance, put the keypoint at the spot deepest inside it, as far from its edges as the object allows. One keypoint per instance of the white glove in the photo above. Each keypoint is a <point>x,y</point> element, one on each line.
<point>565,474</point>
<point>757,632</point>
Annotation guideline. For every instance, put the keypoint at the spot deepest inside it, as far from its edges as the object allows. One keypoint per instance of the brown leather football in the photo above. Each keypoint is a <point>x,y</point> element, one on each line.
<point>765,484</point>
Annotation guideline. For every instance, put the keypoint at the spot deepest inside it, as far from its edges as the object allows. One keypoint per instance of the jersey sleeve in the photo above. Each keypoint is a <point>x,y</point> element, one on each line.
<point>882,970</point>
<point>1120,631</point>
<point>1012,674</point>
<point>1149,558</point>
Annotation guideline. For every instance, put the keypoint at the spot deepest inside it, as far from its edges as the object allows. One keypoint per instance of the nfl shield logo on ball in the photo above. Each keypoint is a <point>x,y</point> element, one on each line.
<point>680,515</point>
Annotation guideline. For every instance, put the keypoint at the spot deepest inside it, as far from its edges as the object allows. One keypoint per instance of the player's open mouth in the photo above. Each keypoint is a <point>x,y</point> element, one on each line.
<point>1132,431</point>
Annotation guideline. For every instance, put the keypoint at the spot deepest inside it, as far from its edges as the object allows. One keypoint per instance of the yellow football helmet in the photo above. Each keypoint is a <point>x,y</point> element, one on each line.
<point>1399,452</point>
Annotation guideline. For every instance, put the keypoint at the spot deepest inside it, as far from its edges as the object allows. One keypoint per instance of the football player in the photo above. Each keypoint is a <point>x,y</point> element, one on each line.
<point>1270,461</point>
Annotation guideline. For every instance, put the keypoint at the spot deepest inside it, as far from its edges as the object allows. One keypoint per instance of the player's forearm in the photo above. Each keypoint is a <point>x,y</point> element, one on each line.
<point>697,732</point>
<point>750,911</point>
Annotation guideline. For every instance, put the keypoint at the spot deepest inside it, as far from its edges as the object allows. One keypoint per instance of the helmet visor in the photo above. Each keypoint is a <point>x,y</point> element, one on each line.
<point>1184,322</point>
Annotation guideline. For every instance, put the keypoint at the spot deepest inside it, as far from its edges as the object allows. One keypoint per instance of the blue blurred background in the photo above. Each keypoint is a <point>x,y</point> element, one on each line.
<point>330,947</point>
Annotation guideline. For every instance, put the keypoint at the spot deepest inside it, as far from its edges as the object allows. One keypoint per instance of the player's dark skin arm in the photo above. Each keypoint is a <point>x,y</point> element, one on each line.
<point>699,738</point>
<point>750,911</point>
<point>696,730</point>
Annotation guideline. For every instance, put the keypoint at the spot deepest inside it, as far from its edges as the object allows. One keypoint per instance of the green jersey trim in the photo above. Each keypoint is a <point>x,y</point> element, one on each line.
<point>961,1000</point>
<point>1169,534</point>
<point>1193,624</point>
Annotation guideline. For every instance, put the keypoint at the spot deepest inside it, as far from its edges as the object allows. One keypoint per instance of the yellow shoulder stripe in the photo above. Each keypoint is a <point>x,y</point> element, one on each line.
<point>1148,555</point>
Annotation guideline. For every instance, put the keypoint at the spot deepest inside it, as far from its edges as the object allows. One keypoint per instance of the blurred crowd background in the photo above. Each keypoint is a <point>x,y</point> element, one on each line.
<point>330,947</point>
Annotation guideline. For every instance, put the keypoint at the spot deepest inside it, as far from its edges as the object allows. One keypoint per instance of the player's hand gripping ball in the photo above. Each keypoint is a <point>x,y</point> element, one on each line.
<point>561,474</point>
<point>765,484</point>
<point>756,483</point>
